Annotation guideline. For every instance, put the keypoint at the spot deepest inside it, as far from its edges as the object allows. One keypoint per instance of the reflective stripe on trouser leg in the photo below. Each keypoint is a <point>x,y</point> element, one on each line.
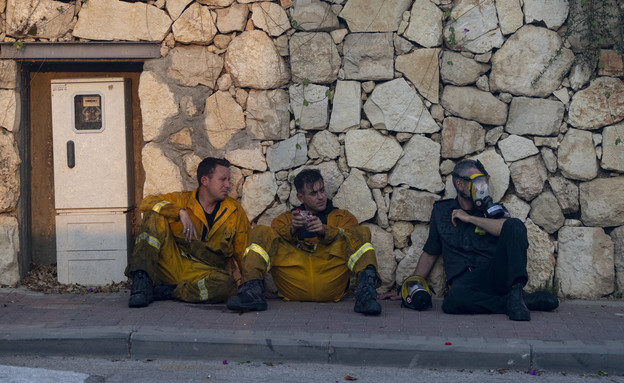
<point>159,206</point>
<point>358,254</point>
<point>261,252</point>
<point>153,241</point>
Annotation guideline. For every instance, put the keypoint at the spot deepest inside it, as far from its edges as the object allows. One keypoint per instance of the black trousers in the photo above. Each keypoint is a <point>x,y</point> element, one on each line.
<point>484,289</point>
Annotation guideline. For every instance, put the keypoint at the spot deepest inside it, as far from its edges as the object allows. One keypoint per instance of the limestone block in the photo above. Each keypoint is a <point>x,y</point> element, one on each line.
<point>585,265</point>
<point>161,174</point>
<point>510,16</point>
<point>9,248</point>
<point>580,74</point>
<point>383,243</point>
<point>369,150</point>
<point>419,166</point>
<point>247,158</point>
<point>314,15</point>
<point>267,114</point>
<point>9,174</point>
<point>601,202</point>
<point>528,176</point>
<point>401,232</point>
<point>194,65</point>
<point>521,59</point>
<point>223,118</point>
<point>195,26</point>
<point>270,17</point>
<point>120,20</point>
<point>368,56</point>
<point>395,106</point>
<point>514,148</point>
<point>517,207</point>
<point>598,105</point>
<point>382,208</point>
<point>567,193</point>
<point>498,170</point>
<point>613,148</point>
<point>577,157</point>
<point>553,13</point>
<point>175,7</point>
<point>232,18</point>
<point>347,106</point>
<point>258,193</point>
<point>219,3</point>
<point>534,116</point>
<point>425,27</point>
<point>473,104</point>
<point>8,75</point>
<point>313,56</point>
<point>476,28</point>
<point>456,69</point>
<point>610,63</point>
<point>287,154</point>
<point>8,106</point>
<point>461,137</point>
<point>374,16</point>
<point>540,258</point>
<point>411,205</point>
<point>38,19</point>
<point>270,214</point>
<point>183,137</point>
<point>617,236</point>
<point>546,213</point>
<point>191,162</point>
<point>550,159</point>
<point>377,181</point>
<point>324,145</point>
<point>309,104</point>
<point>493,135</point>
<point>401,45</point>
<point>157,105</point>
<point>254,62</point>
<point>421,68</point>
<point>356,197</point>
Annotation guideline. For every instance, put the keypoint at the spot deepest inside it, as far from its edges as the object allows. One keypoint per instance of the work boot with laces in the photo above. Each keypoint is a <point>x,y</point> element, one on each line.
<point>141,292</point>
<point>516,308</point>
<point>250,297</point>
<point>366,295</point>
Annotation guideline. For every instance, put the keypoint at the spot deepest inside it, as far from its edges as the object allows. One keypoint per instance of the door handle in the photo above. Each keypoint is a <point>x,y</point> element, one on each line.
<point>71,156</point>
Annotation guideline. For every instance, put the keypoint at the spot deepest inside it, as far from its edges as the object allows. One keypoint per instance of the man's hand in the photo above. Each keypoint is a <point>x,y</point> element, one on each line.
<point>459,214</point>
<point>298,221</point>
<point>189,229</point>
<point>316,226</point>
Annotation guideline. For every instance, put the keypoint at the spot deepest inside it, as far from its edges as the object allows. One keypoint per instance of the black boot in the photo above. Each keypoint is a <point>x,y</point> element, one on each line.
<point>163,292</point>
<point>141,292</point>
<point>250,297</point>
<point>366,295</point>
<point>516,309</point>
<point>540,301</point>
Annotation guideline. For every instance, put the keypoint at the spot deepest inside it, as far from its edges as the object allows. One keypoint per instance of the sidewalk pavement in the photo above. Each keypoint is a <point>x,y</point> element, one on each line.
<point>580,336</point>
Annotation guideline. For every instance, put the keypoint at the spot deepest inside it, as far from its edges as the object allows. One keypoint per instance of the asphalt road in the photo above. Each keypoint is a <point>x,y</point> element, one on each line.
<point>98,370</point>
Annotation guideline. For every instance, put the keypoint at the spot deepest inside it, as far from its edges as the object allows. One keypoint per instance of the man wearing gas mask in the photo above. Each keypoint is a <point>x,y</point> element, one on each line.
<point>484,250</point>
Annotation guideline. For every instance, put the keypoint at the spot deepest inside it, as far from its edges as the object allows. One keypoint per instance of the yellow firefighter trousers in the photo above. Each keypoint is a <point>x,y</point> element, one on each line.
<point>197,271</point>
<point>318,273</point>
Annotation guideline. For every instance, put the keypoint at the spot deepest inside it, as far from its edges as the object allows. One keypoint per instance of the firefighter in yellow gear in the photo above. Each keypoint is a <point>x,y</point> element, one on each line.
<point>190,244</point>
<point>311,253</point>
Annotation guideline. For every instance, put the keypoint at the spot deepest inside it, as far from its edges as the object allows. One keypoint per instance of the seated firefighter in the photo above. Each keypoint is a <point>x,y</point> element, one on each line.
<point>190,243</point>
<point>484,251</point>
<point>311,253</point>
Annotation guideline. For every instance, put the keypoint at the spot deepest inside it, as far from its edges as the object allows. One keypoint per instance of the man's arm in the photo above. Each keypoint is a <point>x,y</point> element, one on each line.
<point>491,225</point>
<point>425,264</point>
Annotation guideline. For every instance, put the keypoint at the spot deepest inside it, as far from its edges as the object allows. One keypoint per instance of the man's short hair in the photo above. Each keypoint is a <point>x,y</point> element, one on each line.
<point>307,177</point>
<point>208,165</point>
<point>461,169</point>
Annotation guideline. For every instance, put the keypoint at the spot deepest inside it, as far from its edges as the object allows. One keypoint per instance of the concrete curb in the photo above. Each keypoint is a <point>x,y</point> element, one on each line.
<point>406,352</point>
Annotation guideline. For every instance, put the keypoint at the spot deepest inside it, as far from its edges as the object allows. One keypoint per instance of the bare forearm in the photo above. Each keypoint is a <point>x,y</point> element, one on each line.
<point>425,264</point>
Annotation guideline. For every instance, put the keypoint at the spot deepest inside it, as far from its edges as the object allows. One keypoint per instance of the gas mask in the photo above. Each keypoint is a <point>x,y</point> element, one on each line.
<point>479,194</point>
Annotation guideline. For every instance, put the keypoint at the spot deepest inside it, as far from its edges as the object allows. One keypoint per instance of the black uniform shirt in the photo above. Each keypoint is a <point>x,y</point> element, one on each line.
<point>463,246</point>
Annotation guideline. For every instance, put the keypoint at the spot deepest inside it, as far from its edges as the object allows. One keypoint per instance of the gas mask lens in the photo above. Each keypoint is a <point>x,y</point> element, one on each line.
<point>479,190</point>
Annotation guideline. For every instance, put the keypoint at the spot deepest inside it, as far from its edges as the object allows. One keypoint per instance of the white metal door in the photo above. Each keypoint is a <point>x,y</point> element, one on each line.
<point>89,144</point>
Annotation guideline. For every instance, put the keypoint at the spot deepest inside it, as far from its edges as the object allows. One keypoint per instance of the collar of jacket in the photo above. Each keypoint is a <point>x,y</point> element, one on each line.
<point>228,207</point>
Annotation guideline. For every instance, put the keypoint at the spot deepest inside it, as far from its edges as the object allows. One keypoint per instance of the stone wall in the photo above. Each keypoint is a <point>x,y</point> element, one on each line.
<point>384,97</point>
